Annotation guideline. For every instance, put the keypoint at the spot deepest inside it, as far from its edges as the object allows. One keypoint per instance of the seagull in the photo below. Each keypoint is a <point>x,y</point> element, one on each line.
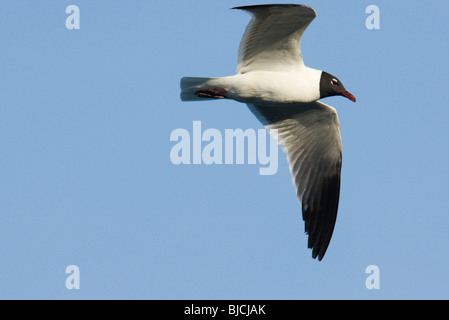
<point>283,94</point>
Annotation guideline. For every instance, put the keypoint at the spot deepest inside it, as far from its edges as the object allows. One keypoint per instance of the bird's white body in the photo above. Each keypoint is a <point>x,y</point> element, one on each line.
<point>265,87</point>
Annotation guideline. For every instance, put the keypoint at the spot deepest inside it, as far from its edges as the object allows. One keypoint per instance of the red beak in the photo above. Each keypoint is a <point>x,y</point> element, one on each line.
<point>348,95</point>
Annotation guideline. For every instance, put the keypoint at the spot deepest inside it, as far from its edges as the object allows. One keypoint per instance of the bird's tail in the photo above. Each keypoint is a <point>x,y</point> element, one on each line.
<point>190,86</point>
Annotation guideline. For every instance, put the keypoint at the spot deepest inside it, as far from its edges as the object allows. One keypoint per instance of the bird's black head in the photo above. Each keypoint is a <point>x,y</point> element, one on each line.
<point>331,86</point>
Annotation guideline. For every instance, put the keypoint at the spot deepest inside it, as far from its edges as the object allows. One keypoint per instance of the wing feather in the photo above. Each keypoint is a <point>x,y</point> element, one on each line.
<point>272,38</point>
<point>310,136</point>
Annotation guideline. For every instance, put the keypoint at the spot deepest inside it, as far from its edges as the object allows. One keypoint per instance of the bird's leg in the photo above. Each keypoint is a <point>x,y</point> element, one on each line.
<point>211,93</point>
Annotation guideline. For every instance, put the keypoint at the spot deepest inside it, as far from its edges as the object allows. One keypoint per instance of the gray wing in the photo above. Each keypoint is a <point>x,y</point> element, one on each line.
<point>272,38</point>
<point>310,136</point>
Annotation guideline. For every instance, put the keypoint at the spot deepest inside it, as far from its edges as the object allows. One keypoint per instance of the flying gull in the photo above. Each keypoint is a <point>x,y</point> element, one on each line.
<point>283,94</point>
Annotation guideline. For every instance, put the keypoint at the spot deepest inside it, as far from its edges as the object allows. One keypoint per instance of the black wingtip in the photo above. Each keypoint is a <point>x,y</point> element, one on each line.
<point>271,5</point>
<point>253,8</point>
<point>319,256</point>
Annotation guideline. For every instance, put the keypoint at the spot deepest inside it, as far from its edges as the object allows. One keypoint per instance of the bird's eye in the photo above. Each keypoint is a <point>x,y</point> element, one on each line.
<point>334,81</point>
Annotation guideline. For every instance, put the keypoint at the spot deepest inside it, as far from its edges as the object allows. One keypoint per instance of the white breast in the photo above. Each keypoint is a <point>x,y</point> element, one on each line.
<point>268,87</point>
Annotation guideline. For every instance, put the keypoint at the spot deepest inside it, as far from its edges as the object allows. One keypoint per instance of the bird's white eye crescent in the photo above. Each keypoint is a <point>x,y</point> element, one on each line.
<point>334,81</point>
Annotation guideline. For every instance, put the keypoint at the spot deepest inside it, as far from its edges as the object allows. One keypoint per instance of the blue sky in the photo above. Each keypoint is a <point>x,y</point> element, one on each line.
<point>86,177</point>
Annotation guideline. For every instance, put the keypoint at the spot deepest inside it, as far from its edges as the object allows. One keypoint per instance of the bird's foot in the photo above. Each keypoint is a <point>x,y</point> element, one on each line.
<point>211,93</point>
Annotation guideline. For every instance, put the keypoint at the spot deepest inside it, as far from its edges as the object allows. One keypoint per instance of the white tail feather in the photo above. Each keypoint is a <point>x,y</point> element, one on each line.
<point>190,85</point>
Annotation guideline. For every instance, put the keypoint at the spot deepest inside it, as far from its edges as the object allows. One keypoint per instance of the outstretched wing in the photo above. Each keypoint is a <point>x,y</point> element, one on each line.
<point>272,38</point>
<point>310,136</point>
